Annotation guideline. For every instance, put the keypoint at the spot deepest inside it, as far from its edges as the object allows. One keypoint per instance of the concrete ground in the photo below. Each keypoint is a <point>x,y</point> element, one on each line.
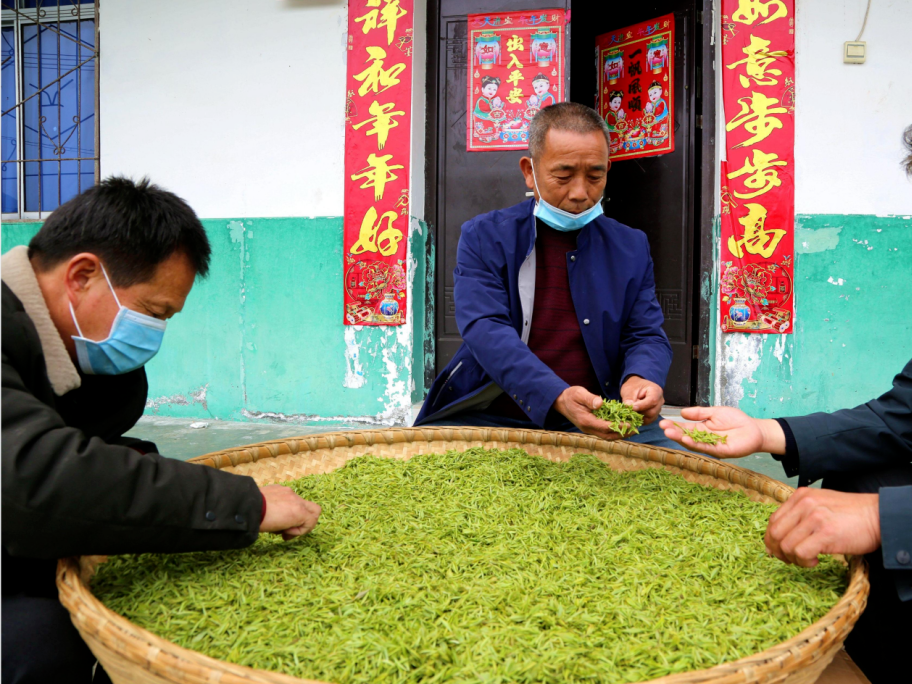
<point>185,438</point>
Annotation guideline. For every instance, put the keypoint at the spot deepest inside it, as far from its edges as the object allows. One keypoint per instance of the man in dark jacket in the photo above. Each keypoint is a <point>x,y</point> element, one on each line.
<point>84,307</point>
<point>864,457</point>
<point>555,302</point>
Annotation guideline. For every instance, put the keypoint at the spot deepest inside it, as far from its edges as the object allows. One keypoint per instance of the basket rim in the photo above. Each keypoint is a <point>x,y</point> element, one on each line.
<point>162,657</point>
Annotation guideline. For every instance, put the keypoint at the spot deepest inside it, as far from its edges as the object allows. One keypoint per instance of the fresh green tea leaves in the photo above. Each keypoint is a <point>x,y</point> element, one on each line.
<point>620,417</point>
<point>702,436</point>
<point>491,566</point>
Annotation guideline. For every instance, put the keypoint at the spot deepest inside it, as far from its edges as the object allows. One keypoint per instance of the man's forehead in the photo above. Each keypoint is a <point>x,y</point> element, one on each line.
<point>568,149</point>
<point>579,162</point>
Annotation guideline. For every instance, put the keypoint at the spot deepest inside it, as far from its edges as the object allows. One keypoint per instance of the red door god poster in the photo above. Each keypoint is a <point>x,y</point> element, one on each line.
<point>516,68</point>
<point>377,160</point>
<point>758,174</point>
<point>636,88</point>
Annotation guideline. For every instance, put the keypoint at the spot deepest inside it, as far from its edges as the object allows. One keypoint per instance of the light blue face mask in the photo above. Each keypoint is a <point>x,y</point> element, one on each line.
<point>134,339</point>
<point>562,220</point>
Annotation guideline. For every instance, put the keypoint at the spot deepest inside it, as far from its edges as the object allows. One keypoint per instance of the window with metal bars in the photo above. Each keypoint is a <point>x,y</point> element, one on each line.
<point>50,104</point>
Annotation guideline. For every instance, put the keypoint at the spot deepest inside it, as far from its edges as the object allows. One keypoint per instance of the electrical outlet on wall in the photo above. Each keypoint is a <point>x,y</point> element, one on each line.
<point>854,52</point>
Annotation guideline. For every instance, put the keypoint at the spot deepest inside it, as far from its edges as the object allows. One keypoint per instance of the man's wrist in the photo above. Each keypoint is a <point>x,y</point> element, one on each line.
<point>773,436</point>
<point>557,404</point>
<point>875,518</point>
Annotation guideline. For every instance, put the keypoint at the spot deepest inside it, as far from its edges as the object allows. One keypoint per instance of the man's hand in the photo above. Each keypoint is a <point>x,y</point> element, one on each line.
<point>643,397</point>
<point>745,435</point>
<point>815,521</point>
<point>287,513</point>
<point>577,404</point>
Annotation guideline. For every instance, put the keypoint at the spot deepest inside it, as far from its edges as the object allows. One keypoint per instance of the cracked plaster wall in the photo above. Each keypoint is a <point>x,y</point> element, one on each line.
<point>853,329</point>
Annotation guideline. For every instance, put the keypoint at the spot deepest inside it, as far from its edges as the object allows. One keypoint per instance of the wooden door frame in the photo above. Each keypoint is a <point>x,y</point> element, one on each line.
<point>703,268</point>
<point>430,179</point>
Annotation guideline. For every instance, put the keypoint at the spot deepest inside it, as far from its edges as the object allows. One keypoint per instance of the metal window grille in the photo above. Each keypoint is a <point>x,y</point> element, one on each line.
<point>49,104</point>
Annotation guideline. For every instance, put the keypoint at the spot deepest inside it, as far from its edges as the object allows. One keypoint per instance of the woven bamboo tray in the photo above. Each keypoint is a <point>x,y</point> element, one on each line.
<point>131,654</point>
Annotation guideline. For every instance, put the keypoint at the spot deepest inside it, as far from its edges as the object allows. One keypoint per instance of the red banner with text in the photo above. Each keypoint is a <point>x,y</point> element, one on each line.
<point>378,113</point>
<point>636,88</point>
<point>516,68</point>
<point>758,174</point>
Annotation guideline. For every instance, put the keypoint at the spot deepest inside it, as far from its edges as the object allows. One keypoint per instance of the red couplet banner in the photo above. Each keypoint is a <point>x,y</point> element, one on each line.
<point>758,176</point>
<point>378,113</point>
<point>516,68</point>
<point>636,87</point>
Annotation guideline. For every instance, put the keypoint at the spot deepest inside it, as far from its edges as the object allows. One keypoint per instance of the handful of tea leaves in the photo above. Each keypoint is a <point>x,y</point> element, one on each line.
<point>703,437</point>
<point>491,566</point>
<point>620,417</point>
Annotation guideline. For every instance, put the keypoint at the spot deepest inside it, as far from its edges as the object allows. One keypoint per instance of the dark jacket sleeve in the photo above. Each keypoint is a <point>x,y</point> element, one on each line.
<point>872,436</point>
<point>896,530</point>
<point>67,494</point>
<point>483,316</point>
<point>644,344</point>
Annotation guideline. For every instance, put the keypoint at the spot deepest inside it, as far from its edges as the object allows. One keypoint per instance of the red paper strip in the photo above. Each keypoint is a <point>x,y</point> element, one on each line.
<point>636,88</point>
<point>378,115</point>
<point>516,67</point>
<point>758,178</point>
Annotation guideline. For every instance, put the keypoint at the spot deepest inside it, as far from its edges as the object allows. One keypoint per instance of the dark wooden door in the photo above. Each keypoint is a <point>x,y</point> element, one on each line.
<point>461,184</point>
<point>658,195</point>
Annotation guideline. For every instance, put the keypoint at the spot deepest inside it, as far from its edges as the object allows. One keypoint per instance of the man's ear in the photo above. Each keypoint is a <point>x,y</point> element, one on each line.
<point>525,165</point>
<point>79,272</point>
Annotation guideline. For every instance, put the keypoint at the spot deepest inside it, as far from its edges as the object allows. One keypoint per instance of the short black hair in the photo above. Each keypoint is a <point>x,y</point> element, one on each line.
<point>131,227</point>
<point>564,116</point>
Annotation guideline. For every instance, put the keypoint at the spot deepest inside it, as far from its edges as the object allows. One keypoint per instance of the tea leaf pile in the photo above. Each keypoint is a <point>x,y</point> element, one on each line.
<point>620,417</point>
<point>486,566</point>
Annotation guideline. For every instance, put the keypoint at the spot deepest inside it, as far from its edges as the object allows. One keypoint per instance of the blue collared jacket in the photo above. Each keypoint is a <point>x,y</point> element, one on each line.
<point>613,290</point>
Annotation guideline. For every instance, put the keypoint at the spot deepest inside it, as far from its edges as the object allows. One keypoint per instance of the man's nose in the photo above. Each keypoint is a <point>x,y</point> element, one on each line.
<point>578,191</point>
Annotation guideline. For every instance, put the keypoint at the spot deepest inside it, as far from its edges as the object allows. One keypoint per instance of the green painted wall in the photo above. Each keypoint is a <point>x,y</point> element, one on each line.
<point>853,275</point>
<point>421,253</point>
<point>262,337</point>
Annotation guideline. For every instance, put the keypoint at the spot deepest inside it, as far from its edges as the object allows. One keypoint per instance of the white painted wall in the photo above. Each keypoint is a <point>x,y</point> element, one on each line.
<point>850,117</point>
<point>237,106</point>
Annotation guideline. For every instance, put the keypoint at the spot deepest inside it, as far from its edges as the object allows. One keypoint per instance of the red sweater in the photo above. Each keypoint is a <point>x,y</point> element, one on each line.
<point>555,337</point>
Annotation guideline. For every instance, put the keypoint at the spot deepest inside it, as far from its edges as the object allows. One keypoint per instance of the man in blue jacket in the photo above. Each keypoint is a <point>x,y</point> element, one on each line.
<point>555,302</point>
<point>864,457</point>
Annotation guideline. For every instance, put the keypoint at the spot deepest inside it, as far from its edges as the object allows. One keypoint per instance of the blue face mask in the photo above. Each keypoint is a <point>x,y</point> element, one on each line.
<point>562,220</point>
<point>134,339</point>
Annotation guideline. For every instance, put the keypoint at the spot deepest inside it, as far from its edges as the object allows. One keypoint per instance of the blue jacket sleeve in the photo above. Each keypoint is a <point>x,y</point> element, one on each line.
<point>869,437</point>
<point>644,345</point>
<point>483,317</point>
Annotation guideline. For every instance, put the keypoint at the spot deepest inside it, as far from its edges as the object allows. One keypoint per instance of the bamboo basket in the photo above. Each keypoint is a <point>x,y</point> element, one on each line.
<point>131,654</point>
